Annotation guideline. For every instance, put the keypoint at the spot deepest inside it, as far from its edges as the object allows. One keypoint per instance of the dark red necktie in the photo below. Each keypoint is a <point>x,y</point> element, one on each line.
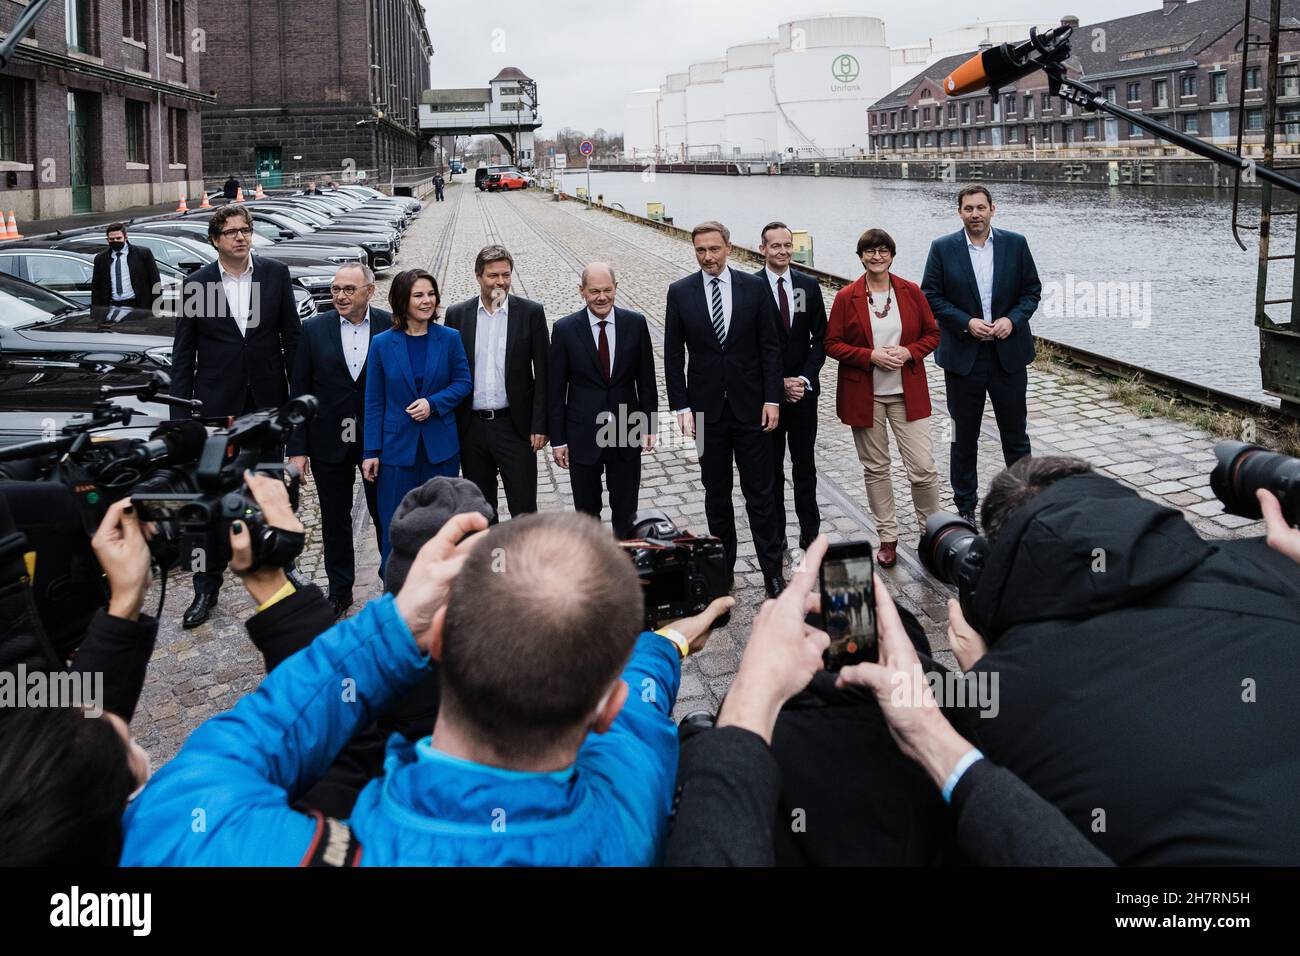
<point>785,302</point>
<point>604,352</point>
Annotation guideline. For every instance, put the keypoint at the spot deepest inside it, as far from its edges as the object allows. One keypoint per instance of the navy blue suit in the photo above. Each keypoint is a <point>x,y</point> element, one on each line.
<point>582,401</point>
<point>973,369</point>
<point>726,390</point>
<point>333,439</point>
<point>411,452</point>
<point>803,353</point>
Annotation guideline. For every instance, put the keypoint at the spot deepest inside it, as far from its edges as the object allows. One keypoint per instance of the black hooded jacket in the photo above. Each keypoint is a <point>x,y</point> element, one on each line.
<point>1147,678</point>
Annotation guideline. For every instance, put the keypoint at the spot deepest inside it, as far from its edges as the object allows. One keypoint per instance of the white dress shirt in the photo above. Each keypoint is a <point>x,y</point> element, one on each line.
<point>356,343</point>
<point>981,260</point>
<point>772,278</point>
<point>239,294</point>
<point>490,357</point>
<point>126,291</point>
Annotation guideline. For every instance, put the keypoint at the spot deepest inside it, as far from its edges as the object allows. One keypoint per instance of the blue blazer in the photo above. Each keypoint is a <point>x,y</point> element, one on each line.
<point>949,285</point>
<point>390,433</point>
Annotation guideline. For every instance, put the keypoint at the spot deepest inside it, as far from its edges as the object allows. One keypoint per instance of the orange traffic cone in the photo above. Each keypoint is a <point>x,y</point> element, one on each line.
<point>182,207</point>
<point>239,194</point>
<point>259,194</point>
<point>205,204</point>
<point>11,229</point>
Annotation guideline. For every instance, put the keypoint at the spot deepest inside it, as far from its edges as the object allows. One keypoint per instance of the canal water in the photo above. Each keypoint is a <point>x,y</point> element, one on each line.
<point>1149,276</point>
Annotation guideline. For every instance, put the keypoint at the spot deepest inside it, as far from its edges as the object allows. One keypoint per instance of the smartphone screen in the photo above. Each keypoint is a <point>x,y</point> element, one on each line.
<point>848,604</point>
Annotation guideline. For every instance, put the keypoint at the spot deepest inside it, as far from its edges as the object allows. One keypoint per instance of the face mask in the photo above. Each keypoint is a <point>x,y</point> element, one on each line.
<point>117,246</point>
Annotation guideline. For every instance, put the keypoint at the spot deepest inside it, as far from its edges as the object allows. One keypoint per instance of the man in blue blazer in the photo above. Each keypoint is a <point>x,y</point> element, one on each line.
<point>727,320</point>
<point>603,398</point>
<point>331,365</point>
<point>983,288</point>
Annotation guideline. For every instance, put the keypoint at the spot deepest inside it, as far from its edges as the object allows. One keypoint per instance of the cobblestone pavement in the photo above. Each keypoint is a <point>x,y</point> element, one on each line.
<point>195,674</point>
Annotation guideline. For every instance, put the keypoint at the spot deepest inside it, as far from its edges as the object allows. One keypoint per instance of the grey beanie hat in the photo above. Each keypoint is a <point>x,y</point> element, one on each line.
<point>421,515</point>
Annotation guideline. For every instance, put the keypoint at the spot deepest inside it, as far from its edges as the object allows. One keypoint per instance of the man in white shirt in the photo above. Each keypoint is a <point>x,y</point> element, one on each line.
<point>982,287</point>
<point>503,423</point>
<point>331,365</point>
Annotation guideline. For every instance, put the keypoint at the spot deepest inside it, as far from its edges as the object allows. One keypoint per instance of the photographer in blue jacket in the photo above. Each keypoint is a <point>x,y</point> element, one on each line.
<point>553,743</point>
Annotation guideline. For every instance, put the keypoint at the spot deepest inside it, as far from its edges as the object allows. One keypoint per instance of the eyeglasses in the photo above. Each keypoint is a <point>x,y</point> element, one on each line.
<point>236,233</point>
<point>348,290</point>
<point>877,254</point>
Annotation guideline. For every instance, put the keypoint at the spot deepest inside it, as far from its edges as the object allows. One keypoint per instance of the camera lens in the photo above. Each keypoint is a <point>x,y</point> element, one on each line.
<point>944,545</point>
<point>1243,469</point>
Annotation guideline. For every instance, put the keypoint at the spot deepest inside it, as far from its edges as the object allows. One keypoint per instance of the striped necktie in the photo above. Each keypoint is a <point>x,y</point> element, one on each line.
<point>719,327</point>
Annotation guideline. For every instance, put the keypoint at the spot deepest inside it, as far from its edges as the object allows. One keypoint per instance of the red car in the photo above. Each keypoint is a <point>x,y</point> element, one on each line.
<point>497,182</point>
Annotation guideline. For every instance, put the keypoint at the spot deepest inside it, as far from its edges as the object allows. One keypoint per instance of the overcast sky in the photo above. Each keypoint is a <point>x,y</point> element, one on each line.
<point>587,57</point>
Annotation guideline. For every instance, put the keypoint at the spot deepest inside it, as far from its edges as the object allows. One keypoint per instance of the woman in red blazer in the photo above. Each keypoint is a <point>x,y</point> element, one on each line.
<point>880,331</point>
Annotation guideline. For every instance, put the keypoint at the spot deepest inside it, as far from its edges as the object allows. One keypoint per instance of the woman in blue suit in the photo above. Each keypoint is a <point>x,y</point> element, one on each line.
<point>416,375</point>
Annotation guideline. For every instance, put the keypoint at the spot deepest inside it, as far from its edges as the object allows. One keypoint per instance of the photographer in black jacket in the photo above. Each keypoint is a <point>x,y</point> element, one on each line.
<point>1146,674</point>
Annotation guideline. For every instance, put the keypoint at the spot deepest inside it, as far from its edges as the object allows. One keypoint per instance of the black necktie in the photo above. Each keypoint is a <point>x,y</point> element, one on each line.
<point>117,270</point>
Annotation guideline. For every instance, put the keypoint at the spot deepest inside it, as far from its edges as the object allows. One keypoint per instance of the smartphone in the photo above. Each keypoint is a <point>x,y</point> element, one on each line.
<point>848,604</point>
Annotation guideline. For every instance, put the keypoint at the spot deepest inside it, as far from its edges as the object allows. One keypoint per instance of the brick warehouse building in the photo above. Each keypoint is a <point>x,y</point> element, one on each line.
<point>1180,64</point>
<point>314,86</point>
<point>99,107</point>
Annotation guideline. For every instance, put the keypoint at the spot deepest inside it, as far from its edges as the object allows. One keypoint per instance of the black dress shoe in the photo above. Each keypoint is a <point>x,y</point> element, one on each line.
<point>774,586</point>
<point>699,719</point>
<point>968,516</point>
<point>804,541</point>
<point>198,610</point>
<point>340,604</point>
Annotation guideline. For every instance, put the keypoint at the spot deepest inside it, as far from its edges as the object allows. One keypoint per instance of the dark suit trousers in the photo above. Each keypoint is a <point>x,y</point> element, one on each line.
<point>966,407</point>
<point>624,479</point>
<point>489,446</point>
<point>752,449</point>
<point>334,481</point>
<point>798,430</point>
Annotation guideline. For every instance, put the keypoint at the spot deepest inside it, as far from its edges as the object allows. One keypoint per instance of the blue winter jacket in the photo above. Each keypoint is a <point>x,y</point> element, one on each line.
<point>225,798</point>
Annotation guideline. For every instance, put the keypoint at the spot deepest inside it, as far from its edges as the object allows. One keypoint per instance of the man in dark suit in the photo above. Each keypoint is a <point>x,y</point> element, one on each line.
<point>124,275</point>
<point>230,188</point>
<point>502,423</point>
<point>982,287</point>
<point>331,365</point>
<point>801,326</point>
<point>236,335</point>
<point>727,320</point>
<point>603,398</point>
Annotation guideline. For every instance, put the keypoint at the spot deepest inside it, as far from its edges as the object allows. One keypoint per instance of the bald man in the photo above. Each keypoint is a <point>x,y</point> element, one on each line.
<point>603,400</point>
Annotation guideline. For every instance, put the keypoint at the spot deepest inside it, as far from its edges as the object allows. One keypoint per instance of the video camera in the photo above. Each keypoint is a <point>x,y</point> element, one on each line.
<point>681,573</point>
<point>954,552</point>
<point>188,482</point>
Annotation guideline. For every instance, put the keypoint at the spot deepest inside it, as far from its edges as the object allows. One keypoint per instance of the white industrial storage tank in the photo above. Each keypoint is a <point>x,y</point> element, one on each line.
<point>704,117</point>
<point>748,99</point>
<point>961,39</point>
<point>828,71</point>
<point>672,114</point>
<point>641,125</point>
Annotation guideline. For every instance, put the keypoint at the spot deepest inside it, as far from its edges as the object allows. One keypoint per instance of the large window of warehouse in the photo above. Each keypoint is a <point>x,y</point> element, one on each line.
<point>176,27</point>
<point>79,16</point>
<point>134,20</point>
<point>137,132</point>
<point>178,136</point>
<point>8,121</point>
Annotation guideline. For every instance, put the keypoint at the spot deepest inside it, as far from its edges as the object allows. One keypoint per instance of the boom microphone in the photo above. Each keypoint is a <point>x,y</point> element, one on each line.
<point>1003,64</point>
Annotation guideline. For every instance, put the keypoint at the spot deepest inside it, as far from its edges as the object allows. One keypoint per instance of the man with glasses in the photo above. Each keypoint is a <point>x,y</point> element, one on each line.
<point>236,335</point>
<point>331,365</point>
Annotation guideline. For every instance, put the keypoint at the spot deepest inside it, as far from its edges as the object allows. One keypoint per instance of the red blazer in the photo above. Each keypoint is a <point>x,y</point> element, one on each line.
<point>848,341</point>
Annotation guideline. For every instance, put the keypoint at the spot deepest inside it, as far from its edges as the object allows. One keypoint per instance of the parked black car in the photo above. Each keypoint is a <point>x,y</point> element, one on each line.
<point>266,241</point>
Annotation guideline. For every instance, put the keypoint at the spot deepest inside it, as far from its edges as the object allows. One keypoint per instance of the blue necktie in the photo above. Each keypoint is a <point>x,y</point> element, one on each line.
<point>719,327</point>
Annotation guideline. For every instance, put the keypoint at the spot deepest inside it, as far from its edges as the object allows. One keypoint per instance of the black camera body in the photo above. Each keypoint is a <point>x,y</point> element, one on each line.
<point>681,573</point>
<point>194,509</point>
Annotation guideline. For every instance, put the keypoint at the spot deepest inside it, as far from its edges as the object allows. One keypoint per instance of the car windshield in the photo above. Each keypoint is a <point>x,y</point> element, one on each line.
<point>22,303</point>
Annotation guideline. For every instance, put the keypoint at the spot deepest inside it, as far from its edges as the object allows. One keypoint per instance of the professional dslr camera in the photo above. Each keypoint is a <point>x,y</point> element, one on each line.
<point>955,553</point>
<point>681,573</point>
<point>54,493</point>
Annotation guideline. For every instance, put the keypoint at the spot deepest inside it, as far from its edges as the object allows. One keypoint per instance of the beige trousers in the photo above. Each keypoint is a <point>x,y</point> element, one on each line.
<point>917,452</point>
